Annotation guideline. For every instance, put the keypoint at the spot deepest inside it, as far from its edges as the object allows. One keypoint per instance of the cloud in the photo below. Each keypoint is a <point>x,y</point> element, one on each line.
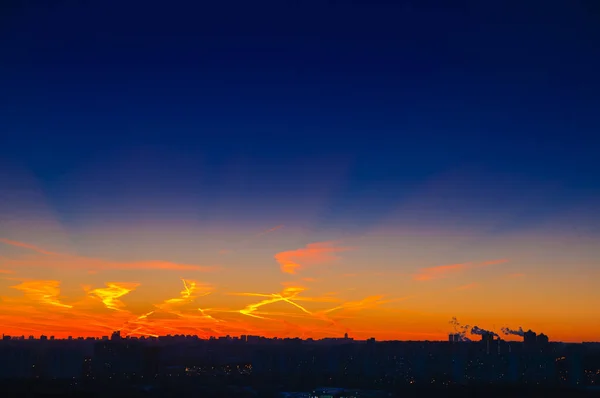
<point>6,271</point>
<point>159,265</point>
<point>42,291</point>
<point>63,260</point>
<point>366,303</point>
<point>101,310</point>
<point>40,311</point>
<point>437,272</point>
<point>319,253</point>
<point>111,294</point>
<point>287,295</point>
<point>270,230</point>
<point>27,246</point>
<point>516,275</point>
<point>441,271</point>
<point>173,308</point>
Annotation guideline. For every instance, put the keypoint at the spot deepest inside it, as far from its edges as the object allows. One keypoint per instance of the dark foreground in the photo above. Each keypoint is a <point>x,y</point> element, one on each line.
<point>70,389</point>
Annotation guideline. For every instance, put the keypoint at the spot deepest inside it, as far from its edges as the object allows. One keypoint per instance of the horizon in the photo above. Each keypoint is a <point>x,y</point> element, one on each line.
<point>111,337</point>
<point>306,170</point>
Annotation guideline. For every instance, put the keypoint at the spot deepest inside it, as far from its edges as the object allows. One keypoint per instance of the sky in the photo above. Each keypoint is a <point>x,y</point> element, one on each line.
<point>300,169</point>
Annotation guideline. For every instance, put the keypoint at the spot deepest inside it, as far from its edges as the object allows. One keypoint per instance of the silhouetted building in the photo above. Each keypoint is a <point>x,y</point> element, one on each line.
<point>530,338</point>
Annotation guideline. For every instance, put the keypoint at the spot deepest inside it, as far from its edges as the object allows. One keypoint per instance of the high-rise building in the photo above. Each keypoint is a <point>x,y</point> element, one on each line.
<point>530,338</point>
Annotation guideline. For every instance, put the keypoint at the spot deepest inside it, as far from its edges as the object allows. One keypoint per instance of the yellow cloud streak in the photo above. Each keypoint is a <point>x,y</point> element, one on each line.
<point>112,292</point>
<point>45,292</point>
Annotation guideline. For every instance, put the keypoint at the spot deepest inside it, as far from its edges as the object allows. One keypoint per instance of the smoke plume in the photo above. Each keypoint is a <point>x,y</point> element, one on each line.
<point>509,331</point>
<point>460,330</point>
<point>481,332</point>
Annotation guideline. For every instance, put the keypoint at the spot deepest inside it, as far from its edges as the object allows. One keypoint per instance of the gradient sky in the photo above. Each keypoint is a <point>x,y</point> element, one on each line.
<point>268,168</point>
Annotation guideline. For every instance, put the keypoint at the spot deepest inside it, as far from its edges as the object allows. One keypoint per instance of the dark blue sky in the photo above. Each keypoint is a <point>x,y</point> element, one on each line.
<point>373,97</point>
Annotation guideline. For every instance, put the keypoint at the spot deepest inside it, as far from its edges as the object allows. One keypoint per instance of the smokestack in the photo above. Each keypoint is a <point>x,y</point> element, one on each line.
<point>460,330</point>
<point>509,331</point>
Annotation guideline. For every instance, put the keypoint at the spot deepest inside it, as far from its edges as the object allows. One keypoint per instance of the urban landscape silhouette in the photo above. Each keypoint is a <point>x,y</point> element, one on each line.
<point>255,366</point>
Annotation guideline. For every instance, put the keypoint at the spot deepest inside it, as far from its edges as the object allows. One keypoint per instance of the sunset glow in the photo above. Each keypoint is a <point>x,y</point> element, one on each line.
<point>374,168</point>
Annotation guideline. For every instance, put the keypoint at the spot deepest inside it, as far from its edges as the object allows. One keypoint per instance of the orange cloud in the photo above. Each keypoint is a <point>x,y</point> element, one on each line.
<point>191,291</point>
<point>516,275</point>
<point>27,246</point>
<point>441,271</point>
<point>366,303</point>
<point>319,253</point>
<point>291,295</point>
<point>62,260</point>
<point>170,311</point>
<point>112,292</point>
<point>6,271</point>
<point>436,272</point>
<point>41,311</point>
<point>45,292</point>
<point>159,265</point>
<point>287,295</point>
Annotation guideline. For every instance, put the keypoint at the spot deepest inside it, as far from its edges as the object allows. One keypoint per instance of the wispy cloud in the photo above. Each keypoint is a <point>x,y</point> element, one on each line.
<point>159,265</point>
<point>426,274</point>
<point>319,253</point>
<point>366,303</point>
<point>516,275</point>
<point>287,295</point>
<point>430,273</point>
<point>64,260</point>
<point>176,307</point>
<point>111,294</point>
<point>270,230</point>
<point>24,245</point>
<point>42,291</point>
<point>101,310</point>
